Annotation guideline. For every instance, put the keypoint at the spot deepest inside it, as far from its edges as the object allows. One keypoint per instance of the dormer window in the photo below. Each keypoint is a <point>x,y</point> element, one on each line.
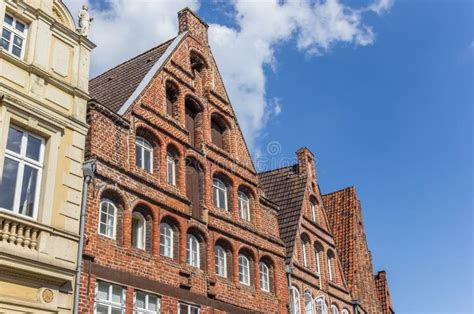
<point>13,36</point>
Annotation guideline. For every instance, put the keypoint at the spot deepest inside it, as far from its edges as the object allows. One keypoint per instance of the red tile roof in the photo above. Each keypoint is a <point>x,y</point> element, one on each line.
<point>383,293</point>
<point>115,86</point>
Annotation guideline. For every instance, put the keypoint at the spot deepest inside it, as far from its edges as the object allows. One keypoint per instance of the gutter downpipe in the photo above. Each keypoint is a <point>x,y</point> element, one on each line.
<point>88,170</point>
<point>289,270</point>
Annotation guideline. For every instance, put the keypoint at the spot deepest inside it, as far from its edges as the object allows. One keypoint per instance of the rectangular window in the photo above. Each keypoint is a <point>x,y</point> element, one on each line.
<point>13,36</point>
<point>171,169</point>
<point>145,303</point>
<point>184,308</point>
<point>22,169</point>
<point>109,299</point>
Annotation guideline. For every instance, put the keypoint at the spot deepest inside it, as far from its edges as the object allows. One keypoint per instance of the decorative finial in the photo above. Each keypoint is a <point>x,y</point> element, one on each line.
<point>84,21</point>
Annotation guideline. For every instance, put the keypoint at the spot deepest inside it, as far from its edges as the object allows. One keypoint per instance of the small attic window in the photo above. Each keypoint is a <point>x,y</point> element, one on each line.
<point>197,63</point>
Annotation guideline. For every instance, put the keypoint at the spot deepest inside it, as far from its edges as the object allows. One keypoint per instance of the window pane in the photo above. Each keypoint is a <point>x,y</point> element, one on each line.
<point>8,183</point>
<point>8,19</point>
<point>152,303</point>
<point>222,202</point>
<point>14,140</point>
<point>18,41</point>
<point>139,156</point>
<point>140,300</point>
<point>194,310</point>
<point>103,291</point>
<point>101,309</point>
<point>6,34</point>
<point>28,191</point>
<point>5,43</point>
<point>34,148</point>
<point>116,311</point>
<point>147,165</point>
<point>20,26</point>
<point>117,294</point>
<point>16,51</point>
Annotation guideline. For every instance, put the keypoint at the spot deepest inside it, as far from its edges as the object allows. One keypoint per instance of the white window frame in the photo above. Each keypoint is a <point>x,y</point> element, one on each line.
<point>166,248</point>
<point>137,310</point>
<point>189,306</point>
<point>308,306</point>
<point>220,261</point>
<point>303,253</point>
<point>140,235</point>
<point>244,270</point>
<point>193,250</point>
<point>244,206</point>
<point>15,32</point>
<point>106,223</point>
<point>144,146</point>
<point>330,267</point>
<point>317,253</point>
<point>334,309</point>
<point>319,304</point>
<point>295,301</point>
<point>264,277</point>
<point>109,303</point>
<point>345,311</point>
<point>170,169</point>
<point>23,161</point>
<point>314,212</point>
<point>219,186</point>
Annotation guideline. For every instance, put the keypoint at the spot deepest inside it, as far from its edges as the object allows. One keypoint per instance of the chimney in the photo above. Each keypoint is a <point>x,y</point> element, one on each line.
<point>190,22</point>
<point>306,162</point>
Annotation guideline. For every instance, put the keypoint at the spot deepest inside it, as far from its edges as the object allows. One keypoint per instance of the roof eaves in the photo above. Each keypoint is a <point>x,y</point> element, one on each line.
<point>151,73</point>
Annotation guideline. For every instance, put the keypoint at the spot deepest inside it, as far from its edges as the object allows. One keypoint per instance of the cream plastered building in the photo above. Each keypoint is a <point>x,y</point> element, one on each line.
<point>44,74</point>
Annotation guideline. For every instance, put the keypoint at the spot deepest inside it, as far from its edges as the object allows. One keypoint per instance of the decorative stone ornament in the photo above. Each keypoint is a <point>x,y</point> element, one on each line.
<point>84,21</point>
<point>47,295</point>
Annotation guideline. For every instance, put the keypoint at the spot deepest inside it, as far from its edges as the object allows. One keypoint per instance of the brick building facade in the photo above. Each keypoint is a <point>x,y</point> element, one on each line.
<point>177,216</point>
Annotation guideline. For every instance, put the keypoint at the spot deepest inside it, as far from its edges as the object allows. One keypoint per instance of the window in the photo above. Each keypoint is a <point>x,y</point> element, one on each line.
<point>138,231</point>
<point>308,303</point>
<point>320,305</point>
<point>194,179</point>
<point>295,301</point>
<point>193,121</point>
<point>166,240</point>
<point>192,251</point>
<point>145,303</point>
<point>108,218</point>
<point>244,206</point>
<point>318,250</point>
<point>220,194</point>
<point>331,266</point>
<point>217,133</point>
<point>171,169</point>
<point>184,308</point>
<point>344,311</point>
<point>314,212</point>
<point>144,157</point>
<point>264,277</point>
<point>109,298</point>
<point>14,36</point>
<point>22,169</point>
<point>304,253</point>
<point>221,261</point>
<point>244,270</point>
<point>334,309</point>
<point>171,98</point>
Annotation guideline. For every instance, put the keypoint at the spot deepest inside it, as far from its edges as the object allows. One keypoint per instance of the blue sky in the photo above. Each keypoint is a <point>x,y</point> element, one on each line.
<point>387,110</point>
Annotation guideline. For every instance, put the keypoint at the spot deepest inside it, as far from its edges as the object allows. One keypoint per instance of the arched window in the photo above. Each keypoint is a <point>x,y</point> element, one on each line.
<point>334,309</point>
<point>144,154</point>
<point>194,189</point>
<point>221,261</point>
<point>264,277</point>
<point>345,311</point>
<point>244,206</point>
<point>192,251</point>
<point>331,266</point>
<point>320,305</point>
<point>138,231</point>
<point>108,218</point>
<point>197,63</point>
<point>193,120</point>
<point>166,240</point>
<point>171,168</point>
<point>220,194</point>
<point>318,253</point>
<point>305,251</point>
<point>308,303</point>
<point>295,301</point>
<point>314,211</point>
<point>244,270</point>
<point>171,99</point>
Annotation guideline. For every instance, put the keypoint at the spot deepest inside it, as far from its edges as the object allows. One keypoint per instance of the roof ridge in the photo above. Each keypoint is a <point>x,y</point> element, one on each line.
<point>276,169</point>
<point>340,191</point>
<point>133,58</point>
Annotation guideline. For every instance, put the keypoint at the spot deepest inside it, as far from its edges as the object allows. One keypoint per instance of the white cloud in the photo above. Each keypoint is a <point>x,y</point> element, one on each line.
<point>125,28</point>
